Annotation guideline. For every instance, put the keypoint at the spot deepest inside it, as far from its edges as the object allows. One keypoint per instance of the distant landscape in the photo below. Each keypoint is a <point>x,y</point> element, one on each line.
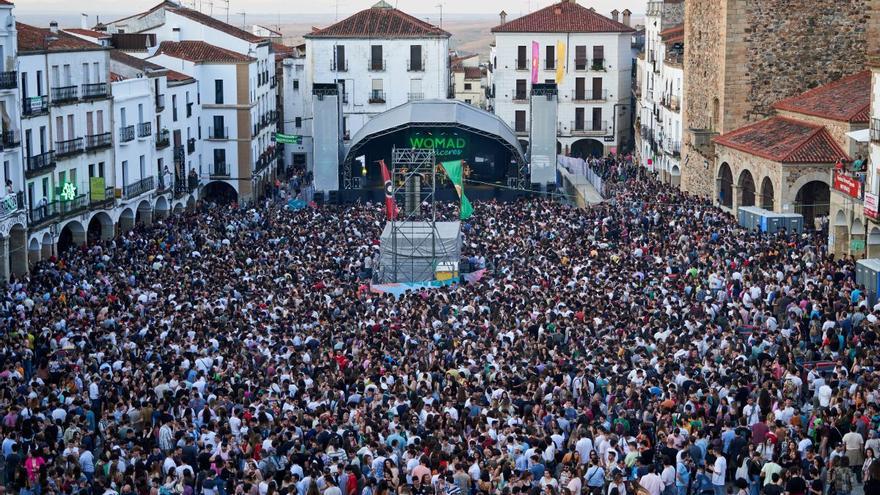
<point>470,32</point>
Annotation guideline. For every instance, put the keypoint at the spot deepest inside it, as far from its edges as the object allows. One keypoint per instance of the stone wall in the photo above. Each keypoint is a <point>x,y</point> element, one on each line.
<point>703,75</point>
<point>672,15</point>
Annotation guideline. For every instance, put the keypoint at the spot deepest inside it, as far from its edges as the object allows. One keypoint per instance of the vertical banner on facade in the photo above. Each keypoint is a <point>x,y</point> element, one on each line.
<point>560,61</point>
<point>536,55</point>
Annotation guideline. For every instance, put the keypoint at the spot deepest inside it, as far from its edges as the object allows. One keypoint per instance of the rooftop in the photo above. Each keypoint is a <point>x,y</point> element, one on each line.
<point>846,100</point>
<point>200,52</point>
<point>134,62</point>
<point>199,17</point>
<point>380,21</point>
<point>673,34</point>
<point>470,72</point>
<point>89,33</point>
<point>35,39</point>
<point>563,17</point>
<point>784,140</point>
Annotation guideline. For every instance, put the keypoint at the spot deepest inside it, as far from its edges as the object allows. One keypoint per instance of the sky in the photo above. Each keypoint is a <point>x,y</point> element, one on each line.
<point>274,7</point>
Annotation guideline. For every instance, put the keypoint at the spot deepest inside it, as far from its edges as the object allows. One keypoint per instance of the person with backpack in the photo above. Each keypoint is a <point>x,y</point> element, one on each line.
<point>595,477</point>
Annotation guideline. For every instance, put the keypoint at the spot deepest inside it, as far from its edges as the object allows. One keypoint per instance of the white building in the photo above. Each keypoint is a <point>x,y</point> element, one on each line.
<point>234,69</point>
<point>296,101</point>
<point>13,217</point>
<point>383,58</point>
<point>659,91</point>
<point>66,129</point>
<point>468,85</point>
<point>595,69</point>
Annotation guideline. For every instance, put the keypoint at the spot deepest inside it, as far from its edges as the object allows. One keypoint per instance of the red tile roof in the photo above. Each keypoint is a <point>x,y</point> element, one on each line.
<point>198,17</point>
<point>199,51</point>
<point>6,2</point>
<point>134,62</point>
<point>563,17</point>
<point>174,76</point>
<point>674,34</point>
<point>89,33</point>
<point>35,39</point>
<point>470,72</point>
<point>784,140</point>
<point>380,21</point>
<point>846,100</point>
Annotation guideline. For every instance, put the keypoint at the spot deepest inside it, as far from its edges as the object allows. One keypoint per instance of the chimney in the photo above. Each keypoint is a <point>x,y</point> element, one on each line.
<point>175,34</point>
<point>615,15</point>
<point>503,16</point>
<point>53,27</point>
<point>627,15</point>
<point>558,10</point>
<point>84,21</point>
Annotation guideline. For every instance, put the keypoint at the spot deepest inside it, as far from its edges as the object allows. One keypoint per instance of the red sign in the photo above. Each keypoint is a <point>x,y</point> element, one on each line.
<point>847,185</point>
<point>871,203</point>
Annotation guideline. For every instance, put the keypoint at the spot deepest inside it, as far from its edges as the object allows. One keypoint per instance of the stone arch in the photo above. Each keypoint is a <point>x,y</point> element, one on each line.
<point>767,194</point>
<point>746,189</point>
<point>190,202</point>
<point>675,176</point>
<point>18,254</point>
<point>47,246</point>
<point>34,251</point>
<point>71,235</point>
<point>178,208</point>
<point>873,242</point>
<point>813,199</point>
<point>584,148</point>
<point>220,192</point>
<point>724,185</point>
<point>100,228</point>
<point>144,214</point>
<point>126,220</point>
<point>161,208</point>
<point>840,231</point>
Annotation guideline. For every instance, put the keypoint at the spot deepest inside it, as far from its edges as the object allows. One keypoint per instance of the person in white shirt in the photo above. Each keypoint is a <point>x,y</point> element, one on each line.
<point>652,482</point>
<point>719,472</point>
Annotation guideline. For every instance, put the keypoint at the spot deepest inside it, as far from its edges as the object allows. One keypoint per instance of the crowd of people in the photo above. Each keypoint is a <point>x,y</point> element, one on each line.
<point>643,346</point>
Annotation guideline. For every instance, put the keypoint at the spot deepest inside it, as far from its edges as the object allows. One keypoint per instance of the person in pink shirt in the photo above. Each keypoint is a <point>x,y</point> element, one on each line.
<point>33,463</point>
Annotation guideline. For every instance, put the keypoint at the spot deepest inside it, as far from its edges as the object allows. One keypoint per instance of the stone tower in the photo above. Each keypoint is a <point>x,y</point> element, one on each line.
<point>741,56</point>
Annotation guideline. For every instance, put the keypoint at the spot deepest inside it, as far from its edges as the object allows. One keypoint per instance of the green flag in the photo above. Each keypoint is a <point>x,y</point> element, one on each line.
<point>453,170</point>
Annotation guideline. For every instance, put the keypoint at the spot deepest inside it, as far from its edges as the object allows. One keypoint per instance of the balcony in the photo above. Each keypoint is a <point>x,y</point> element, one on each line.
<point>64,94</point>
<point>160,103</point>
<point>140,187</point>
<point>189,110</point>
<point>8,80</point>
<point>191,146</point>
<point>850,183</point>
<point>163,139</point>
<point>376,66</point>
<point>671,103</point>
<point>108,201</point>
<point>42,213</point>
<point>11,204</point>
<point>145,129</point>
<point>377,96</point>
<point>35,105</point>
<point>588,128</point>
<point>126,134</point>
<point>522,64</point>
<point>598,64</point>
<point>340,66</point>
<point>95,91</point>
<point>273,82</point>
<point>580,64</point>
<point>96,142</point>
<point>10,140</point>
<point>182,186</point>
<point>71,147</point>
<point>39,164</point>
<point>415,96</point>
<point>219,170</point>
<point>218,133</point>
<point>672,147</point>
<point>589,95</point>
<point>875,130</point>
<point>674,59</point>
<point>520,97</point>
<point>417,65</point>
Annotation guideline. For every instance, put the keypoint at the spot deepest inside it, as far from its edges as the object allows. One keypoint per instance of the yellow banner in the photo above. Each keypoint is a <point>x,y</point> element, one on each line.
<point>560,64</point>
<point>97,191</point>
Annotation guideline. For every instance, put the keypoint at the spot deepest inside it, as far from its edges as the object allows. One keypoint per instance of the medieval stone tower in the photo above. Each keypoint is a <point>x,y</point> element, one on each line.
<point>741,56</point>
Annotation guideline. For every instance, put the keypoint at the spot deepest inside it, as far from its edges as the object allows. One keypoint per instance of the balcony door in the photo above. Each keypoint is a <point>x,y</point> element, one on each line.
<point>597,119</point>
<point>580,84</point>
<point>597,88</point>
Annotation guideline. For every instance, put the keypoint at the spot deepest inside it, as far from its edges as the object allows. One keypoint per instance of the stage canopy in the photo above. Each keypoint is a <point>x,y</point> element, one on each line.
<point>455,130</point>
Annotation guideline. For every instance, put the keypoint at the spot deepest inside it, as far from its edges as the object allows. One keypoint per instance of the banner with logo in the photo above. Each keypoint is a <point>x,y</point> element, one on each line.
<point>97,189</point>
<point>536,56</point>
<point>848,185</point>
<point>287,138</point>
<point>871,203</point>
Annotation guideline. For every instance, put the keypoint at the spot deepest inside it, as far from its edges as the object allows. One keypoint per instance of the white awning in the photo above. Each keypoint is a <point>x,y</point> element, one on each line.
<point>860,136</point>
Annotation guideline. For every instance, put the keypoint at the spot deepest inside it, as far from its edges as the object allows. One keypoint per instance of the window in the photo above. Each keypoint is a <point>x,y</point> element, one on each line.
<point>580,58</point>
<point>520,123</point>
<point>218,132</point>
<point>174,108</point>
<point>522,63</point>
<point>24,86</point>
<point>86,75</point>
<point>91,170</point>
<point>339,59</point>
<point>99,117</point>
<point>219,157</point>
<point>218,91</point>
<point>597,88</point>
<point>376,62</point>
<point>296,84</point>
<point>550,57</point>
<point>142,166</point>
<point>520,90</point>
<point>298,122</point>
<point>100,169</point>
<point>597,119</point>
<point>377,96</point>
<point>415,58</point>
<point>124,172</point>
<point>467,86</point>
<point>598,58</point>
<point>578,119</point>
<point>580,91</point>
